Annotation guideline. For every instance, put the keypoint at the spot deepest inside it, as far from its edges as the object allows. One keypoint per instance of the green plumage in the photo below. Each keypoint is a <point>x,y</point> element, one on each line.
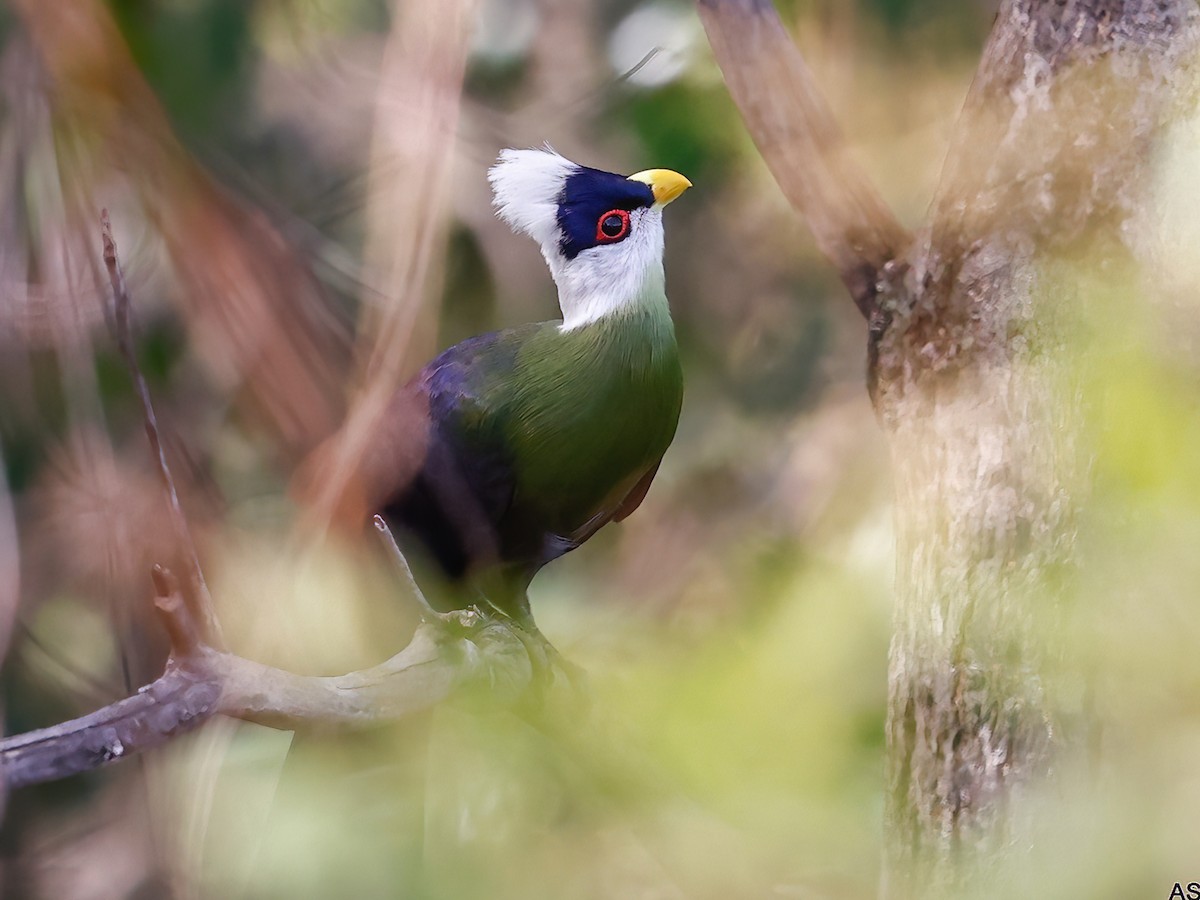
<point>587,410</point>
<point>540,437</point>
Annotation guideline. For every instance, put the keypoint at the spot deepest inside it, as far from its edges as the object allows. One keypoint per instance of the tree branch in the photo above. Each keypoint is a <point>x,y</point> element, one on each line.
<point>444,657</point>
<point>798,137</point>
<point>123,327</point>
<point>1038,150</point>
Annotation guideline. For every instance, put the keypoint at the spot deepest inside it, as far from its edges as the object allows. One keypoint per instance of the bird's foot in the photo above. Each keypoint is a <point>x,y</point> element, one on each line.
<point>550,670</point>
<point>549,665</point>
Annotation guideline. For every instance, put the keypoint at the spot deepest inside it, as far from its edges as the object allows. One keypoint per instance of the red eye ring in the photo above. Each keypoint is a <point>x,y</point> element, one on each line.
<point>607,230</point>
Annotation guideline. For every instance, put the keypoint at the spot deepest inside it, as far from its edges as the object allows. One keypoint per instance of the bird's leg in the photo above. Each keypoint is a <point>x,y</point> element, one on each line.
<point>543,655</point>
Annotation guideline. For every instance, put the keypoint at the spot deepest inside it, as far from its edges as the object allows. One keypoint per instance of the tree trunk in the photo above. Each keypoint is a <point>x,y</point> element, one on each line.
<point>975,330</point>
<point>975,382</point>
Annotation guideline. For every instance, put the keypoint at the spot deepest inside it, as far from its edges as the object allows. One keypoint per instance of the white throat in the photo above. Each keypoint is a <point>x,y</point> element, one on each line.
<point>605,280</point>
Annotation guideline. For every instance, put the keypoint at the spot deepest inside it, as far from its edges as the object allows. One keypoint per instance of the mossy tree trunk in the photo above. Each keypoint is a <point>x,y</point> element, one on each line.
<point>977,384</point>
<point>976,328</point>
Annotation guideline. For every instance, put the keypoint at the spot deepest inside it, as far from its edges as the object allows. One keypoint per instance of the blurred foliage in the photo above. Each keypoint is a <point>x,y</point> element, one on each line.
<point>198,57</point>
<point>735,629</point>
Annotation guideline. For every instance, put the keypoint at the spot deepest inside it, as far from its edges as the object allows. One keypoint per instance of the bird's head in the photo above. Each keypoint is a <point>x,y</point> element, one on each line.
<point>601,234</point>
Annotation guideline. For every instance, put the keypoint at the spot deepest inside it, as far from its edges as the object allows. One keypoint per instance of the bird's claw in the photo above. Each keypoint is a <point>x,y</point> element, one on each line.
<point>548,664</point>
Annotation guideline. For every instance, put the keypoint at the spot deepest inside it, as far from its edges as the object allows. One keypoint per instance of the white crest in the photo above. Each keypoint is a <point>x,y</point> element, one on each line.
<point>601,280</point>
<point>527,185</point>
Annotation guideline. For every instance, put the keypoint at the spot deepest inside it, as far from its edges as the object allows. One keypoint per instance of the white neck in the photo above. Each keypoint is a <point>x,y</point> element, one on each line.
<point>608,279</point>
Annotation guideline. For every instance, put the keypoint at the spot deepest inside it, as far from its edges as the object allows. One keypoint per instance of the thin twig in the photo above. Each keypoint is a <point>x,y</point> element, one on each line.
<point>181,628</point>
<point>123,326</point>
<point>428,613</point>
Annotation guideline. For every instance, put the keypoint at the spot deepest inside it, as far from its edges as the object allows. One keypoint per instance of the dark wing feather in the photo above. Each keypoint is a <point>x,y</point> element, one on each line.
<point>465,386</point>
<point>465,487</point>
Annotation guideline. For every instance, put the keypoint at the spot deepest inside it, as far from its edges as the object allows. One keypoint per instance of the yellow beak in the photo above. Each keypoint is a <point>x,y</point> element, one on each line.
<point>665,184</point>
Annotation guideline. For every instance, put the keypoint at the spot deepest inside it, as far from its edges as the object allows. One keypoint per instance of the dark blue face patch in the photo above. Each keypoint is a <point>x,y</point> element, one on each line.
<point>586,197</point>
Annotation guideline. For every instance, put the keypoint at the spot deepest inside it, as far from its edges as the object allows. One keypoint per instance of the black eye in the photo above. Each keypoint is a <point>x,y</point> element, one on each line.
<point>612,226</point>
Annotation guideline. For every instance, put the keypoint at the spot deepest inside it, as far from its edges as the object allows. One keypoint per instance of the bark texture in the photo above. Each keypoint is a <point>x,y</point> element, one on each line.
<point>975,333</point>
<point>975,386</point>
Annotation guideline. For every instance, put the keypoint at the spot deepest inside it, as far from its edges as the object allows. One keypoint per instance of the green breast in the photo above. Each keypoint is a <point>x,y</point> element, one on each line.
<point>590,411</point>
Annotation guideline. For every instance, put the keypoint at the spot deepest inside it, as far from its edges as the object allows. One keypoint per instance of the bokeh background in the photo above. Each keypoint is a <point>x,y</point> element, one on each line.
<point>735,629</point>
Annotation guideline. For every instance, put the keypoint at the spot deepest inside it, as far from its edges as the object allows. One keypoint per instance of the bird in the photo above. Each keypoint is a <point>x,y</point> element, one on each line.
<point>512,448</point>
